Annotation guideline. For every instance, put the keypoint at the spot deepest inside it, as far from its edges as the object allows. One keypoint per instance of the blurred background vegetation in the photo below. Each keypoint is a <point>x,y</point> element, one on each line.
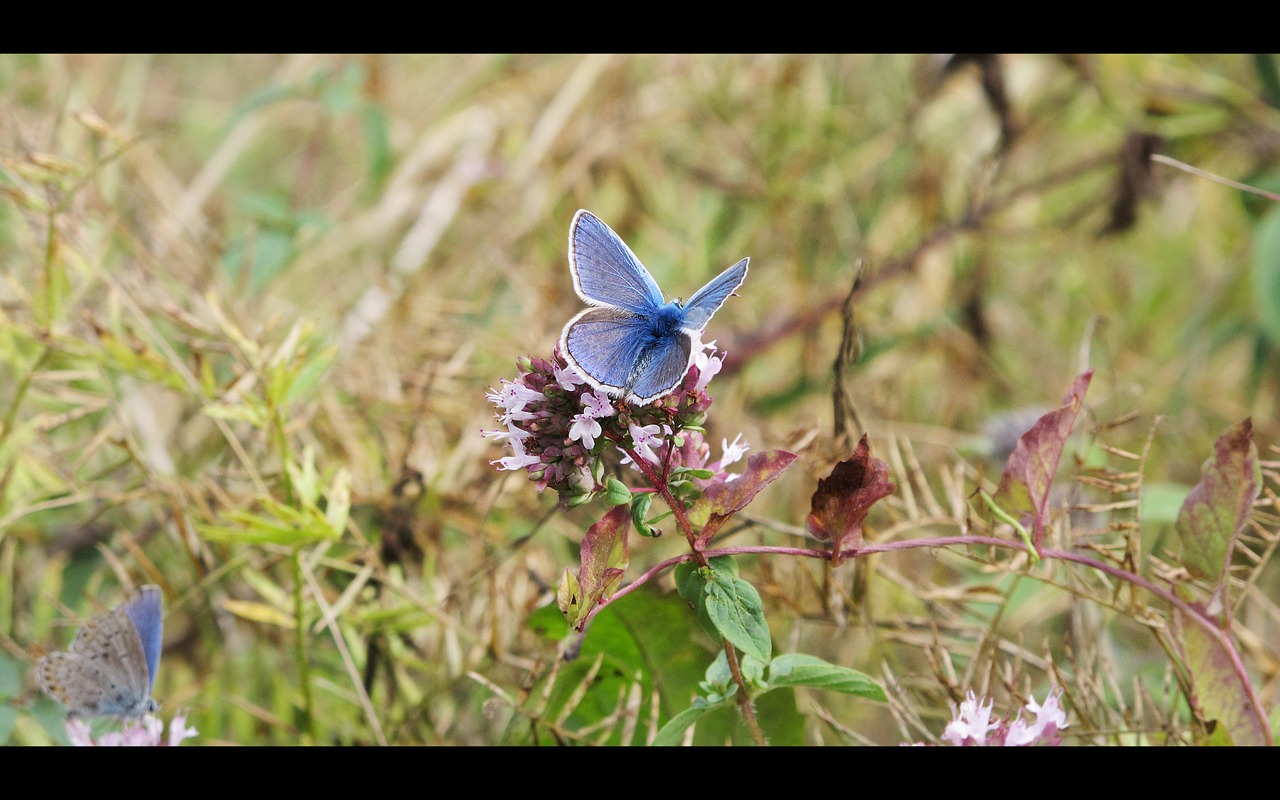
<point>250,306</point>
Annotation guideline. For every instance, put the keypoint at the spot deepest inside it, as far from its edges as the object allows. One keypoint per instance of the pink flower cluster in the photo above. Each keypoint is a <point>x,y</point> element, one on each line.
<point>560,429</point>
<point>972,724</point>
<point>146,732</point>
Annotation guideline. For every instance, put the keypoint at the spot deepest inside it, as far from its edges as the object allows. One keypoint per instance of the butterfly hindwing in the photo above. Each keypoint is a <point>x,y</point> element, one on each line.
<point>605,271</point>
<point>604,344</point>
<point>660,368</point>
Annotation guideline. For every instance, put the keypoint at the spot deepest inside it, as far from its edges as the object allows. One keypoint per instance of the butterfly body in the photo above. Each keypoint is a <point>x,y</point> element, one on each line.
<point>631,344</point>
<point>111,665</point>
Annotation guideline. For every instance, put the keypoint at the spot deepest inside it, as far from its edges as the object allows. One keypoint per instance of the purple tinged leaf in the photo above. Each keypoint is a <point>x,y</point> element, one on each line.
<point>723,498</point>
<point>844,497</point>
<point>1024,486</point>
<point>604,561</point>
<point>1218,507</point>
<point>1216,691</point>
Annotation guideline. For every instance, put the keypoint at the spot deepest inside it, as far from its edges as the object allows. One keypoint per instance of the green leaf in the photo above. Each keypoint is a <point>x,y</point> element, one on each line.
<point>246,411</point>
<point>1266,273</point>
<point>52,717</point>
<point>690,472</point>
<point>1218,694</point>
<point>1218,507</point>
<point>673,732</point>
<point>10,677</point>
<point>259,531</point>
<point>259,98</point>
<point>640,510</point>
<point>734,608</point>
<point>310,373</point>
<point>8,719</point>
<point>717,683</point>
<point>377,142</point>
<point>648,636</point>
<point>691,584</point>
<point>258,256</point>
<point>800,669</point>
<point>1161,501</point>
<point>617,493</point>
<point>340,90</point>
<point>549,621</point>
<point>306,484</point>
<point>569,597</point>
<point>286,525</point>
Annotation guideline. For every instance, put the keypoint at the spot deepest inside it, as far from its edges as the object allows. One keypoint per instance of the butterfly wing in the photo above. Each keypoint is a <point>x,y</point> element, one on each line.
<point>605,271</point>
<point>660,368</point>
<point>707,300</point>
<point>105,672</point>
<point>603,345</point>
<point>145,612</point>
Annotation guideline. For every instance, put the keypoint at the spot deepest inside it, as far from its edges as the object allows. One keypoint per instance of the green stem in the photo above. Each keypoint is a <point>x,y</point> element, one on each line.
<point>658,482</point>
<point>1004,516</point>
<point>745,705</point>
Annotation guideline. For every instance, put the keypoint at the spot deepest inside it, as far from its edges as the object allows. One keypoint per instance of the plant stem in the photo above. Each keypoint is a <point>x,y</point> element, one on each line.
<point>677,508</point>
<point>745,705</point>
<point>659,483</point>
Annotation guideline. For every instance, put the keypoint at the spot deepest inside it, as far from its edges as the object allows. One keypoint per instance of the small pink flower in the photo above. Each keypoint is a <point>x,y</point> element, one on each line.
<point>971,723</point>
<point>708,364</point>
<point>597,405</point>
<point>567,378</point>
<point>146,732</point>
<point>509,433</point>
<point>520,460</point>
<point>733,452</point>
<point>646,437</point>
<point>585,429</point>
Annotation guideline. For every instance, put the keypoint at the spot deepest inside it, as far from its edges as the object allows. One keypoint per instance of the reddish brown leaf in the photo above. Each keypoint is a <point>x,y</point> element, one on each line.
<point>1024,486</point>
<point>843,498</point>
<point>721,499</point>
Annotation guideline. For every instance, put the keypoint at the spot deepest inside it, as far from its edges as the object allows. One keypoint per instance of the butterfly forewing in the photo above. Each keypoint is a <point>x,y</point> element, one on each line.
<point>605,271</point>
<point>146,613</point>
<point>707,300</point>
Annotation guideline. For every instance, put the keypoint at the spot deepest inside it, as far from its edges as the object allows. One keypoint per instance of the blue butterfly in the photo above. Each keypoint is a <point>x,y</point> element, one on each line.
<point>631,344</point>
<point>111,666</point>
